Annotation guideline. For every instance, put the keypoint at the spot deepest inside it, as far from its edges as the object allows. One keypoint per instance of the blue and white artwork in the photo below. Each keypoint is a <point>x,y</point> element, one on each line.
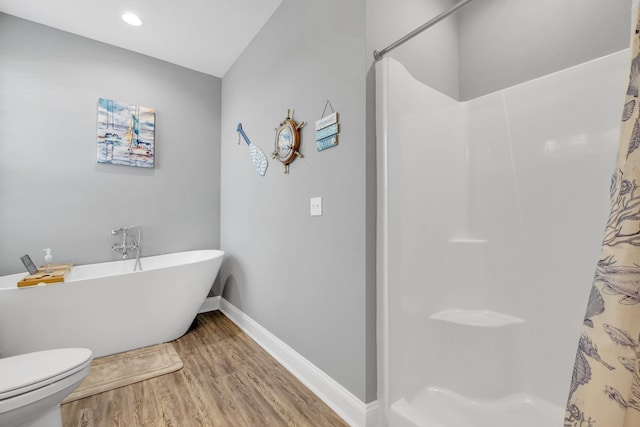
<point>126,134</point>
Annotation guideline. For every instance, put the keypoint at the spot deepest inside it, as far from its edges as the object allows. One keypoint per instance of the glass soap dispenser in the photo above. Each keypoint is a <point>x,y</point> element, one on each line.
<point>47,260</point>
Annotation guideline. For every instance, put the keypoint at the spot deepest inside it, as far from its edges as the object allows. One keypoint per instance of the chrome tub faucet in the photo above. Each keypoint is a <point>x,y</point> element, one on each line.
<point>129,242</point>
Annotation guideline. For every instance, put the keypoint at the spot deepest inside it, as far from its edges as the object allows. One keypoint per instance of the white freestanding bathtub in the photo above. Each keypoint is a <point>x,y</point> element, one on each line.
<point>108,307</point>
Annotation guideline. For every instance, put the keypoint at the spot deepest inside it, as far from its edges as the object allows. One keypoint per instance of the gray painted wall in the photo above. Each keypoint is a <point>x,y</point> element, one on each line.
<point>52,191</point>
<point>492,44</point>
<point>503,43</point>
<point>431,56</point>
<point>306,279</point>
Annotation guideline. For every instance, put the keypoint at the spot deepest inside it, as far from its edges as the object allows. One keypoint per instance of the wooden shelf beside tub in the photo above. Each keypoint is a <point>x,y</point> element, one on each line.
<point>58,273</point>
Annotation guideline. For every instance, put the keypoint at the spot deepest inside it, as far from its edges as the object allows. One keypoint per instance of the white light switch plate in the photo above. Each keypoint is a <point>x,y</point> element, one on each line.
<point>316,206</point>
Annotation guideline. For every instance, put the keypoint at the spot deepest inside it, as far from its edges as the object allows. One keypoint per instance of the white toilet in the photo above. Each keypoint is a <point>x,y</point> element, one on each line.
<point>33,385</point>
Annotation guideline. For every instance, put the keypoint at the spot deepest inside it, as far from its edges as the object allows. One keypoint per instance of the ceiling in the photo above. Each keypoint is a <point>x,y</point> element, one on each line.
<point>203,35</point>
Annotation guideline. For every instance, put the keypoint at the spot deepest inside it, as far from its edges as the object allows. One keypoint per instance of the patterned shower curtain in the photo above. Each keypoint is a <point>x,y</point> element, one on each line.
<point>605,385</point>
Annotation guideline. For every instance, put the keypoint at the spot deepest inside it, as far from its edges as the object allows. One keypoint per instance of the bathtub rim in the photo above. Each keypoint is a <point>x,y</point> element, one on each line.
<point>9,282</point>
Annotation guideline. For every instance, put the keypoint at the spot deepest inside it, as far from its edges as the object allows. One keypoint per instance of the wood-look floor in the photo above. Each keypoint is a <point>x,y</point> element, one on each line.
<point>227,380</point>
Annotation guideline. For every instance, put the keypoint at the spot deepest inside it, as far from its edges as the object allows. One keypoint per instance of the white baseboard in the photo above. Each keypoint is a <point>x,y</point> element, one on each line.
<point>351,409</point>
<point>372,414</point>
<point>210,304</point>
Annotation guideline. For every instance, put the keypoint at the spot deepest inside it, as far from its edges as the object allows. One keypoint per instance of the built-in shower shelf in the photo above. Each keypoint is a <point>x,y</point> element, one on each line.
<point>480,318</point>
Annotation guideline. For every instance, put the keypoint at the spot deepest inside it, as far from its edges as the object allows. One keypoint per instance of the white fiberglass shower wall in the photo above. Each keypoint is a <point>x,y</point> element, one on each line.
<point>490,217</point>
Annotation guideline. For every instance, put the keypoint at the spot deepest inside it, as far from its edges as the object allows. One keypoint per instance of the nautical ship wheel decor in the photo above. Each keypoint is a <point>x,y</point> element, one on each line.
<point>287,143</point>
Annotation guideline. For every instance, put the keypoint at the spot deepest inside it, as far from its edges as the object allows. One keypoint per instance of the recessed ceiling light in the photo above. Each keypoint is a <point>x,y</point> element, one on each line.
<point>132,19</point>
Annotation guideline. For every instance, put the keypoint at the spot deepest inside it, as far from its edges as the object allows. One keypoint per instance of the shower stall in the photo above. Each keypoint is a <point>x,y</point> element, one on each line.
<point>490,218</point>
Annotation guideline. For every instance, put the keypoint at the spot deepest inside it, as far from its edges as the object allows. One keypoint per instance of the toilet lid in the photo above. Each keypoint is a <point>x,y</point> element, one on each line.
<point>26,372</point>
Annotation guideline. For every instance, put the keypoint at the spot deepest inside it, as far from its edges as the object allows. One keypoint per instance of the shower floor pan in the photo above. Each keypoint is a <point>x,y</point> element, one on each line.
<point>433,407</point>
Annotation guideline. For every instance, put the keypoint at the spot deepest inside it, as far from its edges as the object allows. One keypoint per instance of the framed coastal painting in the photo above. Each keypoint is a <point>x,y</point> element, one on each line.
<point>126,134</point>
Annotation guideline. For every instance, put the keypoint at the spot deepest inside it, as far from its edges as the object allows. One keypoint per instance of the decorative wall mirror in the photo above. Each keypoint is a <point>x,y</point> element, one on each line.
<point>287,142</point>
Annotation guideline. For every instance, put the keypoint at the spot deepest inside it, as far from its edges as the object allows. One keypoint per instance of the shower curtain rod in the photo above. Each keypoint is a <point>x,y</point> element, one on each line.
<point>378,54</point>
